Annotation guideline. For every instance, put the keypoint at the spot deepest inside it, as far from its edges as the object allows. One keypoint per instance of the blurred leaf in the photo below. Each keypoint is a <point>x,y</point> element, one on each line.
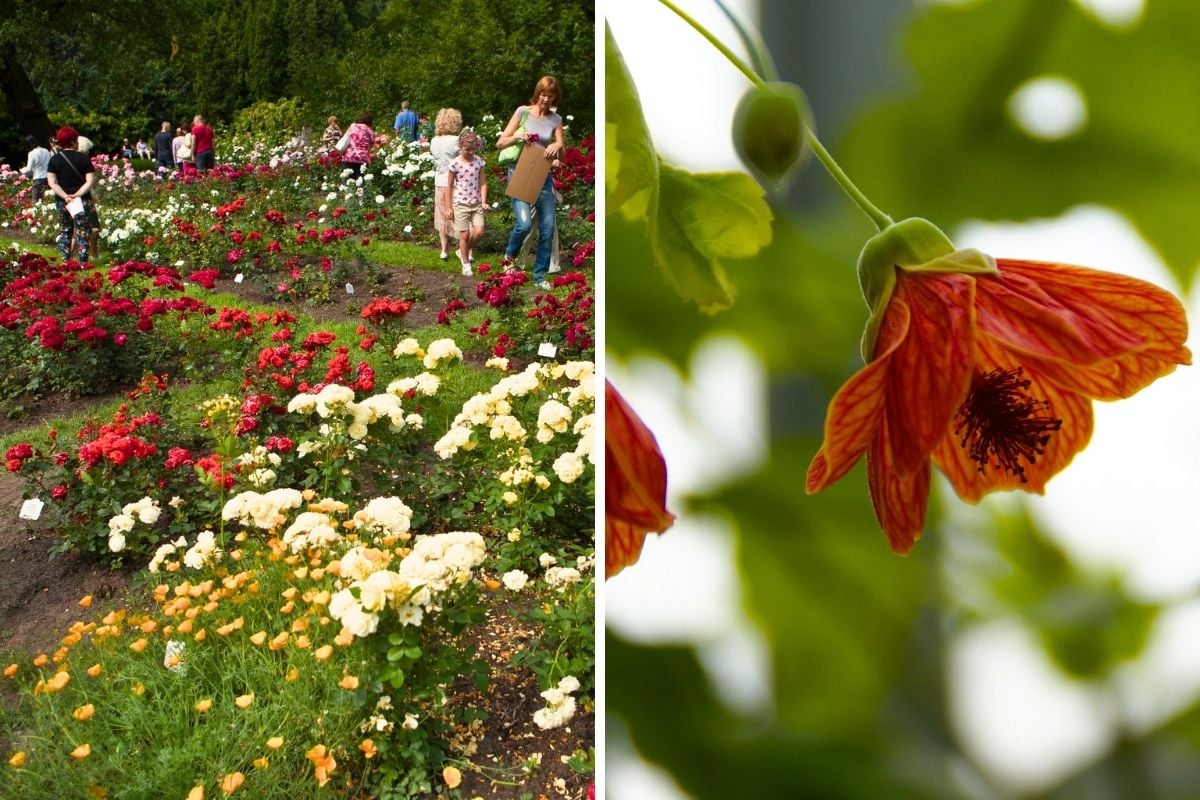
<point>801,310</point>
<point>631,165</point>
<point>1086,621</point>
<point>951,151</point>
<point>835,604</point>
<point>698,220</point>
<point>677,722</point>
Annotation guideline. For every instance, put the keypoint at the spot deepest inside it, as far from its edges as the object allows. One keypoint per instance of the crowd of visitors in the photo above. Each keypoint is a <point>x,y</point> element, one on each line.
<point>65,168</point>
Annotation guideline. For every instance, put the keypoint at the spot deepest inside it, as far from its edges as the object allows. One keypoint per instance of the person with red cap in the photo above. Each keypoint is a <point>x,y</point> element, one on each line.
<point>71,177</point>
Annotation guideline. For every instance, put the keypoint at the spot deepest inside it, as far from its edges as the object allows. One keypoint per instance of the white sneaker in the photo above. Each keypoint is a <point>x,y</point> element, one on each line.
<point>466,270</point>
<point>444,256</point>
<point>544,285</point>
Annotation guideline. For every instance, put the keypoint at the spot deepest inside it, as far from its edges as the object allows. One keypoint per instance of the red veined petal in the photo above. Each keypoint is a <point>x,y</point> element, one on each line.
<point>635,484</point>
<point>1089,315</point>
<point>1073,409</point>
<point>930,370</point>
<point>899,502</point>
<point>622,544</point>
<point>855,411</point>
<point>1113,379</point>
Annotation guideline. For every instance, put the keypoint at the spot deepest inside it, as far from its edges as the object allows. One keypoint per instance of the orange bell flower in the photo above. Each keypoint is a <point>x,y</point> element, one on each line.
<point>635,495</point>
<point>985,367</point>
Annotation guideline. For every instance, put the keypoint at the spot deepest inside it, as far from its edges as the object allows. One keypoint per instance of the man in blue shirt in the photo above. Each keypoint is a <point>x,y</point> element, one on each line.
<point>406,123</point>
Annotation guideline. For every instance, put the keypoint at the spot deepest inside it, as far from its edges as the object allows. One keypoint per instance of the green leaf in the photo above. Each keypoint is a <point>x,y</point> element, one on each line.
<point>951,151</point>
<point>700,220</point>
<point>835,604</point>
<point>631,165</point>
<point>664,697</point>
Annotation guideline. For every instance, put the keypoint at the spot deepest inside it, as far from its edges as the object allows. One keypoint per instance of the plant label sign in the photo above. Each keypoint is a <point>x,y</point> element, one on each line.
<point>31,509</point>
<point>408,228</point>
<point>349,288</point>
<point>239,278</point>
<point>547,350</point>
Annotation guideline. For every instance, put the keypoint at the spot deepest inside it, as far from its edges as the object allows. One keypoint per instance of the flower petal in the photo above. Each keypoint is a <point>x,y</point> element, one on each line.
<point>855,411</point>
<point>899,502</point>
<point>635,493</point>
<point>1073,409</point>
<point>1128,331</point>
<point>931,369</point>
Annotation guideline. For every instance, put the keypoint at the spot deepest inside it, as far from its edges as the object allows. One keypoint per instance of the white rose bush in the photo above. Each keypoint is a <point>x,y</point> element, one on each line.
<point>319,562</point>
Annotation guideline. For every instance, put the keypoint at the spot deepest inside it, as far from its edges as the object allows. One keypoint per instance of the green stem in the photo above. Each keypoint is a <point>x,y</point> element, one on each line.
<point>839,175</point>
<point>717,43</point>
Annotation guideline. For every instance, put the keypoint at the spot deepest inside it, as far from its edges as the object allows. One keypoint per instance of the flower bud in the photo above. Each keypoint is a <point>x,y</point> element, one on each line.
<point>768,132</point>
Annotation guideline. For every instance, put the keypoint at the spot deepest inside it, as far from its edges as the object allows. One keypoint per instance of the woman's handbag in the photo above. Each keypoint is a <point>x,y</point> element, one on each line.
<point>510,154</point>
<point>343,143</point>
<point>185,148</point>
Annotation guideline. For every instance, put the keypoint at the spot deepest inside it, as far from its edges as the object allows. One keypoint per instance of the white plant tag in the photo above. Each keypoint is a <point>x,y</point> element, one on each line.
<point>349,288</point>
<point>408,228</point>
<point>547,350</point>
<point>31,509</point>
<point>239,278</point>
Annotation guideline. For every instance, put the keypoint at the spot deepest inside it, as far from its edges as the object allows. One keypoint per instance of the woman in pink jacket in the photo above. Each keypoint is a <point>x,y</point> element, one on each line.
<point>361,140</point>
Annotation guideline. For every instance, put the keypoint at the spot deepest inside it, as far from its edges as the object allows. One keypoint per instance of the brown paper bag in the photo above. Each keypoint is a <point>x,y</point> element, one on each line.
<point>529,174</point>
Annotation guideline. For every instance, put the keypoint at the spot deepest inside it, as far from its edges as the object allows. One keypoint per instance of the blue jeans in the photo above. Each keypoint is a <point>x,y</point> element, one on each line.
<point>545,205</point>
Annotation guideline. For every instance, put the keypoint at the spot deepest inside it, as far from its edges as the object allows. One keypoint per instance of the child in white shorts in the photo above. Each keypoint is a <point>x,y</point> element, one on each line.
<point>467,197</point>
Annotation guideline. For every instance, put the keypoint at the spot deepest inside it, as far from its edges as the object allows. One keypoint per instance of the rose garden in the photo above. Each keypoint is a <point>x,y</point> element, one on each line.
<point>343,497</point>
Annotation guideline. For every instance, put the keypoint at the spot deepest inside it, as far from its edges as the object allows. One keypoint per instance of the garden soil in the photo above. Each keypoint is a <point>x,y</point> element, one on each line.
<point>40,593</point>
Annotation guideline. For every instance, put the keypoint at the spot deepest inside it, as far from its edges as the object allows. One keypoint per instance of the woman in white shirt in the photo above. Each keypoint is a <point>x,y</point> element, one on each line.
<point>444,149</point>
<point>35,168</point>
<point>538,122</point>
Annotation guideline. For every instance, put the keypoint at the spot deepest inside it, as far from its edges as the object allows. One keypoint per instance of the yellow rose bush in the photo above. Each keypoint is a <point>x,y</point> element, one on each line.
<point>306,636</point>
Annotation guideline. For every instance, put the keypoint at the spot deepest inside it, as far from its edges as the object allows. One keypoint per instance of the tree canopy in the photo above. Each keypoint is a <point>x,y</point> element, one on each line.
<point>117,69</point>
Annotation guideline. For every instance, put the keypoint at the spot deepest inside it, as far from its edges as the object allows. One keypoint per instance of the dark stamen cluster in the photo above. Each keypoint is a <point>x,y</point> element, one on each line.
<point>1000,422</point>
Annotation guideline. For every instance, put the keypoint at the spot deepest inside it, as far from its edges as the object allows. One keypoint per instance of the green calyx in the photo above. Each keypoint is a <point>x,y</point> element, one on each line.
<point>913,245</point>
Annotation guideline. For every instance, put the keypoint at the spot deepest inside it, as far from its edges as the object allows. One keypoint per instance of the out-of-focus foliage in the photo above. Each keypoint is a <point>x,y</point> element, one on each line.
<point>858,638</point>
<point>117,69</point>
<point>951,151</point>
